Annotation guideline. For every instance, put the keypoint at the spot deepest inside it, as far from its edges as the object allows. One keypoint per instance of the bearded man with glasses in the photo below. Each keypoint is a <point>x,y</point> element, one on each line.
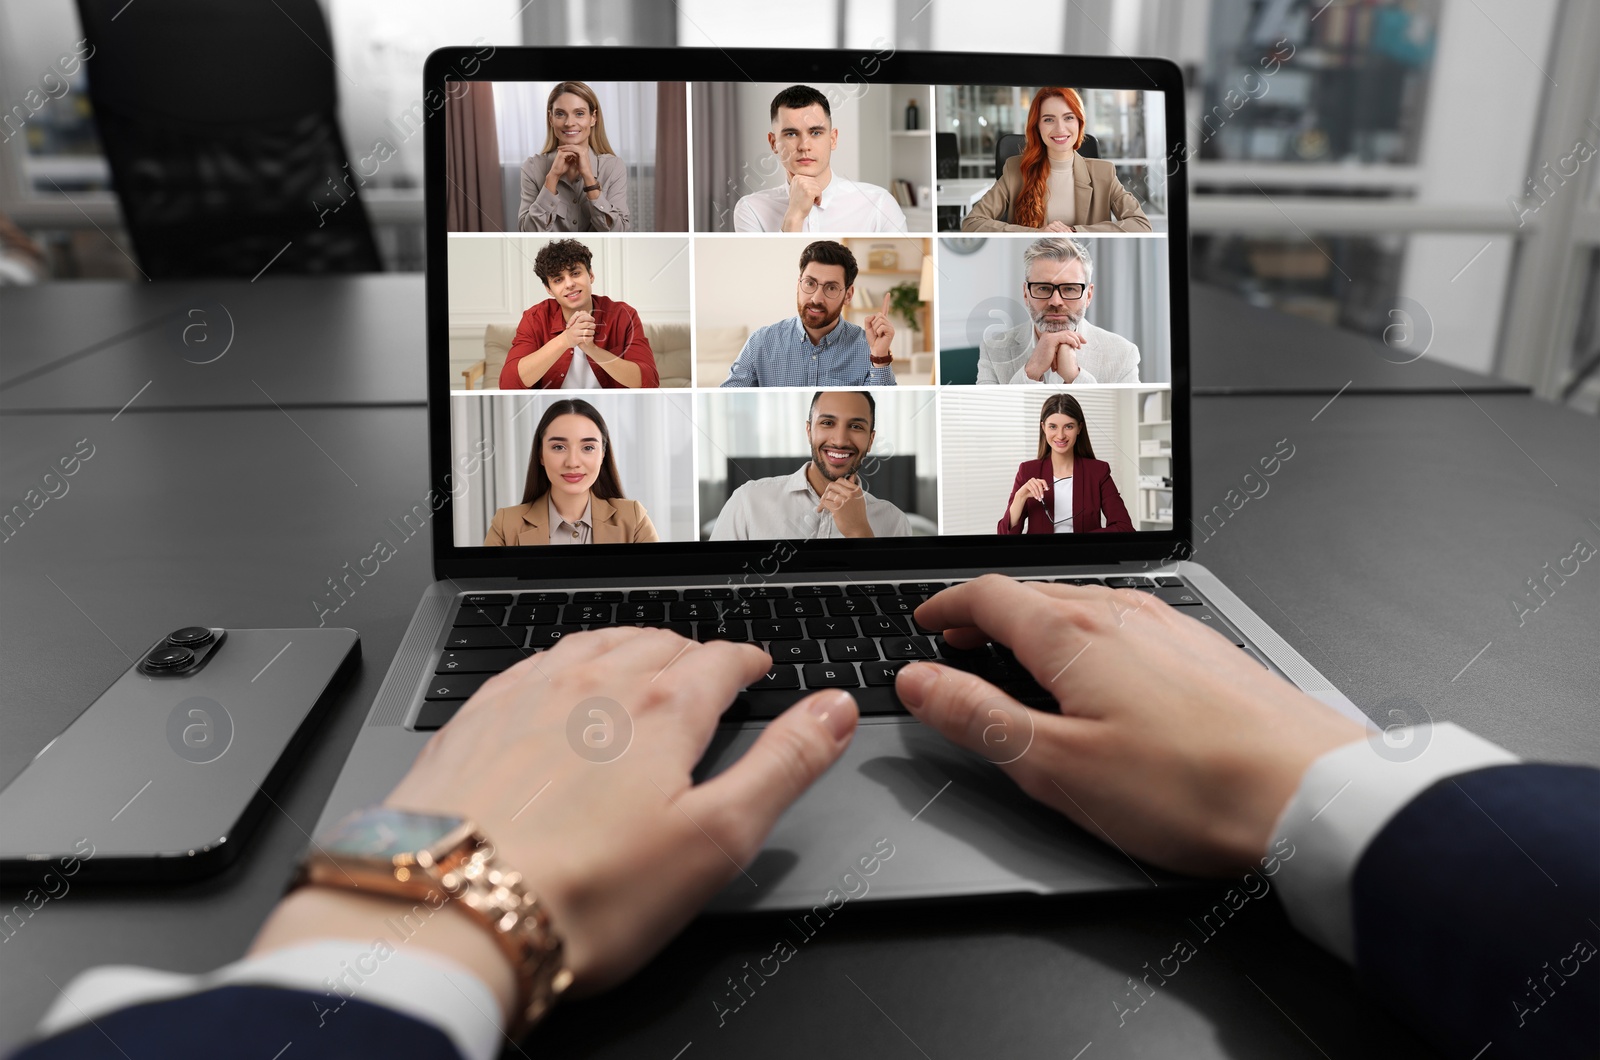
<point>1057,345</point>
<point>815,347</point>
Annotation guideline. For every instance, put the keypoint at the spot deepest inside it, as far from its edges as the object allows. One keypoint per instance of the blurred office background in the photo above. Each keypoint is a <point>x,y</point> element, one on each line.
<point>1436,151</point>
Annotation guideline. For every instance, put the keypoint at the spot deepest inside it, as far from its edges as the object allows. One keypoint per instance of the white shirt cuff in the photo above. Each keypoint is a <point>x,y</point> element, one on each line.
<point>424,986</point>
<point>1345,799</point>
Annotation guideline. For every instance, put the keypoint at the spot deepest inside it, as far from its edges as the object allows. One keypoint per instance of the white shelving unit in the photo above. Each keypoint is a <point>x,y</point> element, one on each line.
<point>911,152</point>
<point>1154,411</point>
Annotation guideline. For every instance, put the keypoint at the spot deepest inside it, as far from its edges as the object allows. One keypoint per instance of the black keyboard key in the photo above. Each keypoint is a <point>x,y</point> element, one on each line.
<point>880,673</point>
<point>1206,615</point>
<point>801,607</point>
<point>716,592</point>
<point>898,605</point>
<point>816,590</point>
<point>1167,581</point>
<point>644,596</point>
<point>884,626</point>
<point>534,614</point>
<point>852,605</point>
<point>486,637</point>
<point>821,628</point>
<point>852,649</point>
<point>689,610</point>
<point>586,614</point>
<point>479,616</point>
<point>643,612</point>
<point>763,592</point>
<point>1128,581</point>
<point>479,662</point>
<point>831,675</point>
<point>528,599</point>
<point>735,629</point>
<point>795,651</point>
<point>776,629</point>
<point>436,714</point>
<point>1082,581</point>
<point>781,676</point>
<point>598,596</point>
<point>869,589</point>
<point>1179,597</point>
<point>921,588</point>
<point>747,609</point>
<point>486,600</point>
<point>454,686</point>
<point>550,636</point>
<point>907,648</point>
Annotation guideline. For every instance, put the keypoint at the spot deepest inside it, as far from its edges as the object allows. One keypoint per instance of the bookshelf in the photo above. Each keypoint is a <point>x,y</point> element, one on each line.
<point>1153,409</point>
<point>913,348</point>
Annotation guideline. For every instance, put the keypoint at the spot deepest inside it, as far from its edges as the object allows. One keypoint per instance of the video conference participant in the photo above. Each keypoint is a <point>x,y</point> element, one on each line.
<point>1049,187</point>
<point>815,347</point>
<point>573,494</point>
<point>822,499</point>
<point>577,184</point>
<point>1058,345</point>
<point>815,198</point>
<point>544,355</point>
<point>1065,490</point>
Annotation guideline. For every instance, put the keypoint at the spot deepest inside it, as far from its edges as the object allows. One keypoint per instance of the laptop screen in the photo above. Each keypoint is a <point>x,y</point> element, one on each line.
<point>699,313</point>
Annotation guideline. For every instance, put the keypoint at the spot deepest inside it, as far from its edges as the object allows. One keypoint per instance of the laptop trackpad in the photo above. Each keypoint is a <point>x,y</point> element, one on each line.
<point>905,814</point>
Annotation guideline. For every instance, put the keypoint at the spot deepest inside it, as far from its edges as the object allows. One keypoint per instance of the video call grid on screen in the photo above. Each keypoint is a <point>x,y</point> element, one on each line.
<point>653,215</point>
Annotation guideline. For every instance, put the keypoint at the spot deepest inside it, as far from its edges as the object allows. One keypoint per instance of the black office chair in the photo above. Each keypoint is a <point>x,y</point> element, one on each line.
<point>220,124</point>
<point>946,156</point>
<point>1011,144</point>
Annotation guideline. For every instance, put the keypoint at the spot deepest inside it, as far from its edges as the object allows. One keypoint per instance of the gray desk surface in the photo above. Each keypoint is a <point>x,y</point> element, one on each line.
<point>96,345</point>
<point>1387,549</point>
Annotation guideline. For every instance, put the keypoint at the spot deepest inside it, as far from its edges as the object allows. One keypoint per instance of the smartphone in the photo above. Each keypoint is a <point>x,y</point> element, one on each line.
<point>165,775</point>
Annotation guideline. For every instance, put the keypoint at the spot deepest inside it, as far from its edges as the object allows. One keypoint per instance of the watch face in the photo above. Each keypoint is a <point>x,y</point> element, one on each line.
<point>383,832</point>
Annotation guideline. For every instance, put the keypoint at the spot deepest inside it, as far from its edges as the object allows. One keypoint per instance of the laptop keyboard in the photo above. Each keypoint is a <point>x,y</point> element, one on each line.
<point>854,636</point>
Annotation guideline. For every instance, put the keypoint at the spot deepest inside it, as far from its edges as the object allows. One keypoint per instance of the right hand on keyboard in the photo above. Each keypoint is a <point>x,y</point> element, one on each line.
<point>1171,743</point>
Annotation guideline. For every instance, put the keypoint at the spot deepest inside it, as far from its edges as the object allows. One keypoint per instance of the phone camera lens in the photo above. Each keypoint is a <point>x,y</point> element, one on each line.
<point>190,637</point>
<point>173,657</point>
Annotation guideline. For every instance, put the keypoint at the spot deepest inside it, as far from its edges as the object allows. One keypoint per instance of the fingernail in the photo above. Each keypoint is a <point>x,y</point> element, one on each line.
<point>830,709</point>
<point>913,682</point>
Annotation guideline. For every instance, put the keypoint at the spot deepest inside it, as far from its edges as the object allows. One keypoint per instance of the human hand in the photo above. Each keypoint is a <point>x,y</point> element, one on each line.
<point>880,333</point>
<point>579,330</point>
<point>1057,226</point>
<point>616,840</point>
<point>1034,487</point>
<point>1066,361</point>
<point>1044,356</point>
<point>1171,743</point>
<point>804,193</point>
<point>846,500</point>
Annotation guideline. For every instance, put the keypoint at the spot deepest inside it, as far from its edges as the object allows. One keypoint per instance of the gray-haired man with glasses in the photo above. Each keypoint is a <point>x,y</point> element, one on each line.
<point>1057,345</point>
<point>815,347</point>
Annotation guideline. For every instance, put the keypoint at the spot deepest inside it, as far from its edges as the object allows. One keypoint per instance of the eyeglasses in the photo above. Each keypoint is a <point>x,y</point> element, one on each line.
<point>810,286</point>
<point>1070,292</point>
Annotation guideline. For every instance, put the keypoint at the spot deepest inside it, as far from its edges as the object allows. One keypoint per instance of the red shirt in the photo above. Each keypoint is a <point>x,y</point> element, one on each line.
<point>617,329</point>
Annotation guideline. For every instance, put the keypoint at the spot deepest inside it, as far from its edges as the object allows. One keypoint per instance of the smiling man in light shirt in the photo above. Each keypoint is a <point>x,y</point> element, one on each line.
<point>1056,344</point>
<point>814,198</point>
<point>823,498</point>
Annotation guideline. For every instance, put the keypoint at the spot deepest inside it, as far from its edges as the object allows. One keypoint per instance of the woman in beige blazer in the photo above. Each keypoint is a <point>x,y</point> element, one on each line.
<point>573,495</point>
<point>1049,187</point>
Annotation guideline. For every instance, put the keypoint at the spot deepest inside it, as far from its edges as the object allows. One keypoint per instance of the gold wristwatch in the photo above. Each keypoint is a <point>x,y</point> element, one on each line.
<point>436,859</point>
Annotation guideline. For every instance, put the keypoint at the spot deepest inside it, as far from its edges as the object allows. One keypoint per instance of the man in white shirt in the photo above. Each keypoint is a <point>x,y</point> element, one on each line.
<point>1057,345</point>
<point>822,499</point>
<point>815,198</point>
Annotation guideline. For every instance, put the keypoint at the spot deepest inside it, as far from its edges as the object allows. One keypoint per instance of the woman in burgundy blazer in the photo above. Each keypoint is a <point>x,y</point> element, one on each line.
<point>1064,449</point>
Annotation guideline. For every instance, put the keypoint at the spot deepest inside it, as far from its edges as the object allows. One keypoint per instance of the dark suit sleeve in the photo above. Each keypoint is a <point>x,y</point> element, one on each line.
<point>1004,525</point>
<point>247,1020</point>
<point>1476,912</point>
<point>1116,512</point>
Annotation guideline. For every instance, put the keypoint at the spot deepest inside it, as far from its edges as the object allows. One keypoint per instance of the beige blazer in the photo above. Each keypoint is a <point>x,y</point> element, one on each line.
<point>615,522</point>
<point>1099,197</point>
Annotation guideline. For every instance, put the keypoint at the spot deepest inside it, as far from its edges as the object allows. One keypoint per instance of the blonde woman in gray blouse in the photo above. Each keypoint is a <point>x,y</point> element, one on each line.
<point>577,184</point>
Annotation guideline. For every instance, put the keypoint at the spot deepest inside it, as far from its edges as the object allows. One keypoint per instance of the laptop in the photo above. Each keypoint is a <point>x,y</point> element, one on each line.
<point>708,522</point>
